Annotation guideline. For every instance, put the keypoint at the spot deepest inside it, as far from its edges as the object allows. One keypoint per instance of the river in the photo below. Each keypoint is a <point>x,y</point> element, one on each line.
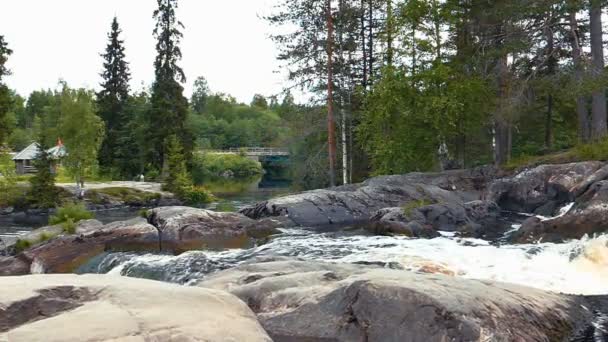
<point>576,267</point>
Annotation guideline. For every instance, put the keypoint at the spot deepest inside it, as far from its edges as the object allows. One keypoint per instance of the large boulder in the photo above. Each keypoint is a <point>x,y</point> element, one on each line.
<point>588,216</point>
<point>66,253</point>
<point>105,308</point>
<point>183,228</point>
<point>477,218</point>
<point>541,190</point>
<point>304,301</point>
<point>358,203</point>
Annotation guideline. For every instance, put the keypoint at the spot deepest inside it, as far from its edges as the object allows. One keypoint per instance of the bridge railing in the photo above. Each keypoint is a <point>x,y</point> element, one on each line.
<point>257,151</point>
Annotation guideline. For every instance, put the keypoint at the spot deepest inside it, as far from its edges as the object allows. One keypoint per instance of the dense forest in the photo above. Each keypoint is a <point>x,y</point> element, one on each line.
<point>422,85</point>
<point>393,85</point>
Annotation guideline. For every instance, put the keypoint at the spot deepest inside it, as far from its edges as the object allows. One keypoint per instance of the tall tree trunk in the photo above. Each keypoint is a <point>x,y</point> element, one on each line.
<point>370,38</point>
<point>414,57</point>
<point>331,124</point>
<point>584,125</point>
<point>551,65</point>
<point>549,124</point>
<point>343,91</point>
<point>389,32</point>
<point>363,44</point>
<point>599,127</point>
<point>502,125</point>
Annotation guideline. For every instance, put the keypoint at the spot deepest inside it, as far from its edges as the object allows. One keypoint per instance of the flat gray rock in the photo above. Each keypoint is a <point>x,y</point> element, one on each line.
<point>306,301</point>
<point>92,308</point>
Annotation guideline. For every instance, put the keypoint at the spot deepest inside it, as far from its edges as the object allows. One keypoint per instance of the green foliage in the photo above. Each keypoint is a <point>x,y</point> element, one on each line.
<point>112,105</point>
<point>69,215</point>
<point>46,236</point>
<point>226,207</point>
<point>178,179</point>
<point>69,226</point>
<point>43,192</point>
<point>82,132</point>
<point>224,123</point>
<point>169,108</point>
<point>413,205</point>
<point>212,165</point>
<point>143,213</point>
<point>593,151</point>
<point>22,245</point>
<point>196,195</point>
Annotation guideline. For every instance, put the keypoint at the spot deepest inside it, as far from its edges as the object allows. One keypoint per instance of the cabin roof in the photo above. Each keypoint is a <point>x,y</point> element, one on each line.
<point>30,152</point>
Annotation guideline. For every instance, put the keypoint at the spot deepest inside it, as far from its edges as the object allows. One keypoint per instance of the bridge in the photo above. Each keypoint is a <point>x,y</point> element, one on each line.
<point>254,152</point>
<point>274,160</point>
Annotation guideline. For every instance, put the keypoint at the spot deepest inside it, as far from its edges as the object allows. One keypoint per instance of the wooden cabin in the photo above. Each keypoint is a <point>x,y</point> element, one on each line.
<point>24,160</point>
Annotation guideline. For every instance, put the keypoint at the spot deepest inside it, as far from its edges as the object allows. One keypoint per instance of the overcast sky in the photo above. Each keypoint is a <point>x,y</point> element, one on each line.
<point>224,40</point>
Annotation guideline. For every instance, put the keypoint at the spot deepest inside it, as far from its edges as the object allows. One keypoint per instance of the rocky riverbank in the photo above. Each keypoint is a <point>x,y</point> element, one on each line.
<point>290,300</point>
<point>466,202</point>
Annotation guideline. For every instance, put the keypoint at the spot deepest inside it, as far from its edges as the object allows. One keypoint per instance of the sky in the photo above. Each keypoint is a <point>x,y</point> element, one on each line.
<point>225,41</point>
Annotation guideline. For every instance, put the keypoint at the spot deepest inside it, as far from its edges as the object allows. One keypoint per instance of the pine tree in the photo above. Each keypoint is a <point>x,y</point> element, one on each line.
<point>112,103</point>
<point>43,192</point>
<point>5,52</point>
<point>169,107</point>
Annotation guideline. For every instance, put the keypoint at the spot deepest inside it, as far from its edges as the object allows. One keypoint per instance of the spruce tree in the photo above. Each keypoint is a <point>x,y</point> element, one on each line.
<point>112,103</point>
<point>43,192</point>
<point>169,107</point>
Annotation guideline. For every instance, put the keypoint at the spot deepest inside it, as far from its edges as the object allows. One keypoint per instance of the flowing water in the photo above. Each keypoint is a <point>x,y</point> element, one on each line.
<point>576,267</point>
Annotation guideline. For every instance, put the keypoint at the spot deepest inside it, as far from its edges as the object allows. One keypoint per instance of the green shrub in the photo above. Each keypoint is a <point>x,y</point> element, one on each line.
<point>22,245</point>
<point>69,227</point>
<point>70,215</point>
<point>413,205</point>
<point>143,213</point>
<point>593,151</point>
<point>196,195</point>
<point>46,237</point>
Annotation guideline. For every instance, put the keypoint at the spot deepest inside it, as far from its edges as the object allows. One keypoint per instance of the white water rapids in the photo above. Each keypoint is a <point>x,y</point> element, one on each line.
<point>577,267</point>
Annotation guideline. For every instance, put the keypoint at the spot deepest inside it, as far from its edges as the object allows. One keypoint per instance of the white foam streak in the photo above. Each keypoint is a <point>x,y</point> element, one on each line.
<point>578,267</point>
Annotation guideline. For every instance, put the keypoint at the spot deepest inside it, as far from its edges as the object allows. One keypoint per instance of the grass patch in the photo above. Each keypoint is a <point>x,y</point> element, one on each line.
<point>413,205</point>
<point>69,215</point>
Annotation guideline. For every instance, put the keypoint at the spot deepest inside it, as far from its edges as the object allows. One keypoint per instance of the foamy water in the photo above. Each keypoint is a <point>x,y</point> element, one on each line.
<point>577,267</point>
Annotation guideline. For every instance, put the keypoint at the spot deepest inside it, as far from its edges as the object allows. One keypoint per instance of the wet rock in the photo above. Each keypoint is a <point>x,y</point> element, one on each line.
<point>358,203</point>
<point>588,216</point>
<point>66,253</point>
<point>531,189</point>
<point>12,266</point>
<point>304,301</point>
<point>184,228</point>
<point>104,308</point>
<point>476,218</point>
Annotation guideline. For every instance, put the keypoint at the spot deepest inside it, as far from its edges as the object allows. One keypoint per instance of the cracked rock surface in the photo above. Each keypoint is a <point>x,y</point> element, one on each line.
<point>305,301</point>
<point>358,203</point>
<point>54,308</point>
